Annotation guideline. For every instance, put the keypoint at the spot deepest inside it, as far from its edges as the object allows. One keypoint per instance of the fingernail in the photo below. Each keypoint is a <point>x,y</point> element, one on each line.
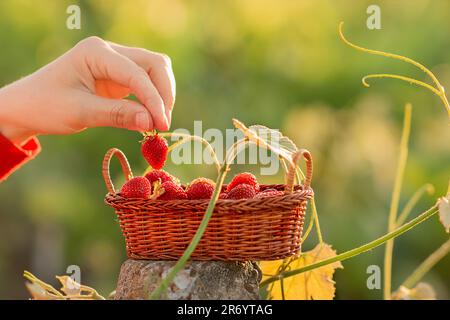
<point>142,121</point>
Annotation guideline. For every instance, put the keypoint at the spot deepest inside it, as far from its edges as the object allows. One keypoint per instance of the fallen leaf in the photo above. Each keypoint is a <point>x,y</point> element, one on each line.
<point>71,290</point>
<point>316,284</point>
<point>69,286</point>
<point>37,292</point>
<point>444,212</point>
<point>423,291</point>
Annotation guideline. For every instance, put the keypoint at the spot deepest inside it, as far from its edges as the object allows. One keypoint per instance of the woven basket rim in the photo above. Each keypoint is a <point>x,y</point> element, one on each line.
<point>299,190</point>
<point>281,202</point>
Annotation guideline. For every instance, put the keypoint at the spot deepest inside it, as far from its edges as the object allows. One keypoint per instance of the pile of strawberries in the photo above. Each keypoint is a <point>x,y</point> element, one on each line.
<point>161,185</point>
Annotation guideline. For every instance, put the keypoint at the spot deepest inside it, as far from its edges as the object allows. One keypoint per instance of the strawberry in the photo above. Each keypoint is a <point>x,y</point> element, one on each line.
<point>154,149</point>
<point>223,195</point>
<point>162,175</point>
<point>243,178</point>
<point>172,191</point>
<point>242,191</point>
<point>200,188</point>
<point>269,193</point>
<point>137,187</point>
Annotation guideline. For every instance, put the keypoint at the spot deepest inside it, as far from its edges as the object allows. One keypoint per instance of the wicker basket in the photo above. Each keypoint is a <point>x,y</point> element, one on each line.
<point>249,229</point>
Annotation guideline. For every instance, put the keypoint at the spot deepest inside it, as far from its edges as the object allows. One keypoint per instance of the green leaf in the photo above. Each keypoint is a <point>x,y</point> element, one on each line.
<point>270,139</point>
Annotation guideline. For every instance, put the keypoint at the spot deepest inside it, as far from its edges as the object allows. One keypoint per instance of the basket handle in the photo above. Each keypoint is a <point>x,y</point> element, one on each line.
<point>123,162</point>
<point>291,172</point>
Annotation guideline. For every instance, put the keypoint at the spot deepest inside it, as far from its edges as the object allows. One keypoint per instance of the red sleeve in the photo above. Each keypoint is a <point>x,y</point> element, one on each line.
<point>12,157</point>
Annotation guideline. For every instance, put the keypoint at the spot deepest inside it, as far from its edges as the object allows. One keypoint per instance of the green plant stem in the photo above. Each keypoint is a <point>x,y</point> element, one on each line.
<point>156,294</point>
<point>188,138</point>
<point>316,220</point>
<point>427,264</point>
<point>403,78</point>
<point>412,203</point>
<point>309,228</point>
<point>283,296</point>
<point>354,252</point>
<point>403,157</point>
<point>283,164</point>
<point>387,54</point>
<point>315,215</point>
<point>439,90</point>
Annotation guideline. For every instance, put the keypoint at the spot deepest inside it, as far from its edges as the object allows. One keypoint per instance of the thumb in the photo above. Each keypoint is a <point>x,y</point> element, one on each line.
<point>120,113</point>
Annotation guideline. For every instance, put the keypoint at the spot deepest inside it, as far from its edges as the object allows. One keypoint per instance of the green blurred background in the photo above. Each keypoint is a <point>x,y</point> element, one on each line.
<point>276,63</point>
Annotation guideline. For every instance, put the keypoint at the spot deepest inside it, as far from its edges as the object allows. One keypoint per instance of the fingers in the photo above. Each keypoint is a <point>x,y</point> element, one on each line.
<point>106,63</point>
<point>110,89</point>
<point>159,68</point>
<point>119,113</point>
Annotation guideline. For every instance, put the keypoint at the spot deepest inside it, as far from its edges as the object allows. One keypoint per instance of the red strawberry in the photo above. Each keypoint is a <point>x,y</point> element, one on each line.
<point>137,187</point>
<point>162,175</point>
<point>269,193</point>
<point>200,188</point>
<point>242,191</point>
<point>243,178</point>
<point>172,191</point>
<point>154,149</point>
<point>223,195</point>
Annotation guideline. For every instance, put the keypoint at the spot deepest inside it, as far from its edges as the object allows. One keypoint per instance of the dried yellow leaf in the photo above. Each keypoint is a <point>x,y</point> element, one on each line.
<point>38,293</point>
<point>316,284</point>
<point>71,290</point>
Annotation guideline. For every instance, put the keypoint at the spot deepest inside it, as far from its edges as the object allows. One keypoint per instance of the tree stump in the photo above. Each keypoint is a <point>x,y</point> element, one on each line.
<point>198,280</point>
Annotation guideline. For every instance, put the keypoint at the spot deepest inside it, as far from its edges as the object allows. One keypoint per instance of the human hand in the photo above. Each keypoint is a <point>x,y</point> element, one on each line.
<point>85,88</point>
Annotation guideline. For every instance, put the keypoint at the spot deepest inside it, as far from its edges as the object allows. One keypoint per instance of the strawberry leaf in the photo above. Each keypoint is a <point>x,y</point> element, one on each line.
<point>270,139</point>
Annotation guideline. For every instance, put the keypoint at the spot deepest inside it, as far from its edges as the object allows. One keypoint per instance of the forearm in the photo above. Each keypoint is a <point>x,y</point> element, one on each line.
<point>12,99</point>
<point>16,143</point>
